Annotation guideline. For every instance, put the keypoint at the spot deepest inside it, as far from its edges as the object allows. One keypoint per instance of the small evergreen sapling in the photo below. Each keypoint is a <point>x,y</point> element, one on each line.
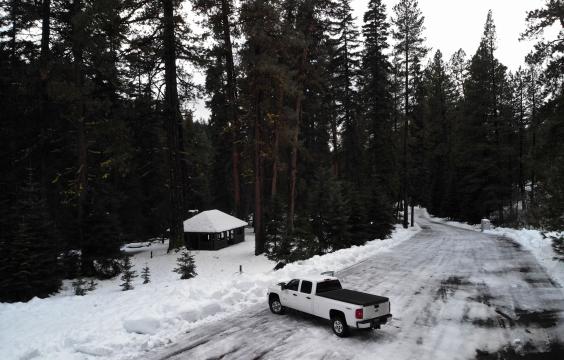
<point>92,285</point>
<point>186,266</point>
<point>79,287</point>
<point>146,274</point>
<point>128,274</point>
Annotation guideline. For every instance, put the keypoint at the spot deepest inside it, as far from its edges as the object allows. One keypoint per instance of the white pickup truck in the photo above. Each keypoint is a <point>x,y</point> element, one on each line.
<point>324,296</point>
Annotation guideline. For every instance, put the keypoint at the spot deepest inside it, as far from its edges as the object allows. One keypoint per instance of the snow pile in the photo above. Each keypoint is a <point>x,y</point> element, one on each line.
<point>345,258</point>
<point>539,245</point>
<point>142,326</point>
<point>113,324</point>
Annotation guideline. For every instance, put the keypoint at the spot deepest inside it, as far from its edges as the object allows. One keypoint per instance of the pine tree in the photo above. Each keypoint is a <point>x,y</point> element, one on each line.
<point>458,74</point>
<point>482,166</point>
<point>128,274</point>
<point>408,32</point>
<point>329,211</point>
<point>275,231</point>
<point>439,111</point>
<point>520,124</point>
<point>79,287</point>
<point>418,147</point>
<point>377,102</point>
<point>261,58</point>
<point>345,67</point>
<point>220,17</point>
<point>547,152</point>
<point>458,70</point>
<point>16,19</point>
<point>533,100</point>
<point>92,285</point>
<point>30,262</point>
<point>146,274</point>
<point>552,174</point>
<point>186,265</point>
<point>550,51</point>
<point>172,121</point>
<point>101,244</point>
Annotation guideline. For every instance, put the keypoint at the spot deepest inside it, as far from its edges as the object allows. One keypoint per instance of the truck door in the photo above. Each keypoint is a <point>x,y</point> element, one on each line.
<point>305,297</point>
<point>290,294</point>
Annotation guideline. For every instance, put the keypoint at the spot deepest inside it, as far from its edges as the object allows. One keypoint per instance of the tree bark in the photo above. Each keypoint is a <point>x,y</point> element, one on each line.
<point>14,32</point>
<point>294,165</point>
<point>45,35</point>
<point>521,145</point>
<point>172,120</point>
<point>405,136</point>
<point>232,103</point>
<point>80,114</point>
<point>257,220</point>
<point>275,147</point>
<point>496,130</point>
<point>335,164</point>
<point>534,138</point>
<point>43,78</point>
<point>294,151</point>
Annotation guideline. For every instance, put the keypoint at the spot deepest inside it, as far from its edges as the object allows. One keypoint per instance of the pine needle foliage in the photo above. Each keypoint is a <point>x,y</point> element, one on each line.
<point>146,274</point>
<point>186,266</point>
<point>128,274</point>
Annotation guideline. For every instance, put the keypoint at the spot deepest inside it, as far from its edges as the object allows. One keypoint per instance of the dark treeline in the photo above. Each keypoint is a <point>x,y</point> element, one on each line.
<point>321,132</point>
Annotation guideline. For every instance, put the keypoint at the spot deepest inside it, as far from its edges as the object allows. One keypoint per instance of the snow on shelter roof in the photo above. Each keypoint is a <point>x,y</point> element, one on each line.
<point>212,221</point>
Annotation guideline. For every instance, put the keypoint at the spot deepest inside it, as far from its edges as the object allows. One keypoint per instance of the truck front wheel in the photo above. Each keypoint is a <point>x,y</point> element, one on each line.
<point>339,325</point>
<point>276,306</point>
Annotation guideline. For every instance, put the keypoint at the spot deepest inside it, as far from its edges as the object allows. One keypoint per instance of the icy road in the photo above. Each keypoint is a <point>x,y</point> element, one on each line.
<point>455,294</point>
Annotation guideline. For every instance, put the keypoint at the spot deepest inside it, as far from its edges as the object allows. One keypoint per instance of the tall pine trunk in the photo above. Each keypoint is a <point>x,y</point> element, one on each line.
<point>276,146</point>
<point>294,165</point>
<point>533,140</point>
<point>233,108</point>
<point>405,137</point>
<point>172,121</point>
<point>496,120</point>
<point>522,193</point>
<point>80,114</point>
<point>257,220</point>
<point>44,117</point>
<point>294,151</point>
<point>14,33</point>
<point>334,142</point>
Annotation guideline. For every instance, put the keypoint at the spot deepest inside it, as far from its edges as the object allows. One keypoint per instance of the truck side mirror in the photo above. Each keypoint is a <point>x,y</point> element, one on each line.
<point>282,286</point>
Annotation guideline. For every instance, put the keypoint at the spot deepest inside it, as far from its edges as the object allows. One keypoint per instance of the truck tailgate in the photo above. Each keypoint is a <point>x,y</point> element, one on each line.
<point>377,310</point>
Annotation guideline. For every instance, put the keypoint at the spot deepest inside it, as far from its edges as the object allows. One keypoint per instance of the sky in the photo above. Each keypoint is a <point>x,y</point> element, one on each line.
<point>454,24</point>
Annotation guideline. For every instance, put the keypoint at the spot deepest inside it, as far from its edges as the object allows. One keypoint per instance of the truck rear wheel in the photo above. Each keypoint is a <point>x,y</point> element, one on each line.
<point>339,325</point>
<point>276,306</point>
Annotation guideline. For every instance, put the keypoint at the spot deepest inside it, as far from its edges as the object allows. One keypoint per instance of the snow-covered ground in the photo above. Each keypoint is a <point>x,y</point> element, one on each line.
<point>537,242</point>
<point>540,246</point>
<point>454,293</point>
<point>112,324</point>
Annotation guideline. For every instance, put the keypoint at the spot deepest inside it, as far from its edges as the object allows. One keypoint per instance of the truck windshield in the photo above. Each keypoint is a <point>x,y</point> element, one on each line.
<point>328,286</point>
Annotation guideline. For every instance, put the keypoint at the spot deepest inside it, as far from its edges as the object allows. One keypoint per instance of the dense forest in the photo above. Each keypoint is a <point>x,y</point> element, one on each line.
<point>321,132</point>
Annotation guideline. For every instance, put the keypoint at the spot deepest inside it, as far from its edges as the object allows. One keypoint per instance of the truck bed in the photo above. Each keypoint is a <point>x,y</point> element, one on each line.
<point>354,297</point>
